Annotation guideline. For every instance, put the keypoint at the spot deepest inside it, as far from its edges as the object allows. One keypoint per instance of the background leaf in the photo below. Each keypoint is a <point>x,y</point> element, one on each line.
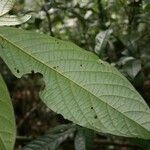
<point>9,20</point>
<point>147,1</point>
<point>52,139</point>
<point>84,139</point>
<point>132,67</point>
<point>6,6</point>
<point>82,88</point>
<point>7,120</point>
<point>101,41</point>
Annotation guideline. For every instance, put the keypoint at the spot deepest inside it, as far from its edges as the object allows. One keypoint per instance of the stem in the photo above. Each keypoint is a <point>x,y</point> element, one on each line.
<point>49,21</point>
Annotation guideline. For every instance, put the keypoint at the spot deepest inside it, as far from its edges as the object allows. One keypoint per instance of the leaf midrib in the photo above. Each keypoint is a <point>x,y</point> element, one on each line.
<point>37,60</point>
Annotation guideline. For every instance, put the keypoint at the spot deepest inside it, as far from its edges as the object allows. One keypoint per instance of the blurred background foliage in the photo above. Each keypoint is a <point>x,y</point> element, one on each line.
<point>118,31</point>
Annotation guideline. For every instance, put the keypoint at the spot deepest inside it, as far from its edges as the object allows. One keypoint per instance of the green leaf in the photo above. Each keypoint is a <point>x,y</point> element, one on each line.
<point>52,139</point>
<point>84,139</point>
<point>6,6</point>
<point>101,41</point>
<point>80,86</point>
<point>9,20</point>
<point>132,67</point>
<point>7,121</point>
<point>147,1</point>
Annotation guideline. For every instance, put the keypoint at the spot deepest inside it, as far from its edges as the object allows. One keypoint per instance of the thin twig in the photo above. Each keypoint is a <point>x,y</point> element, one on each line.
<point>49,20</point>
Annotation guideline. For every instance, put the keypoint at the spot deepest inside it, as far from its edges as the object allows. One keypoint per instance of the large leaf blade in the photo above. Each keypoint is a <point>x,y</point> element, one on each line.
<point>7,121</point>
<point>82,88</point>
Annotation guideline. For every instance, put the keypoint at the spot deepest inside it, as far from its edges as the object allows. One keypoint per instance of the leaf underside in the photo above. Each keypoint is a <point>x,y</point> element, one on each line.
<point>101,41</point>
<point>53,139</point>
<point>9,20</point>
<point>82,88</point>
<point>7,121</point>
<point>6,6</point>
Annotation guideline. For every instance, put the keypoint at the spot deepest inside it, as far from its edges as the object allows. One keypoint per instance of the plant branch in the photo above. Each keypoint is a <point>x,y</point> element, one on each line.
<point>49,21</point>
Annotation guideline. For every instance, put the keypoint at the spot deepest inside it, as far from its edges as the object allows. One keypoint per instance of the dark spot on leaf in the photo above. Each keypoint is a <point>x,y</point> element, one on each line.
<point>32,71</point>
<point>32,74</point>
<point>55,67</point>
<point>91,107</point>
<point>18,71</point>
<point>81,65</point>
<point>95,116</point>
